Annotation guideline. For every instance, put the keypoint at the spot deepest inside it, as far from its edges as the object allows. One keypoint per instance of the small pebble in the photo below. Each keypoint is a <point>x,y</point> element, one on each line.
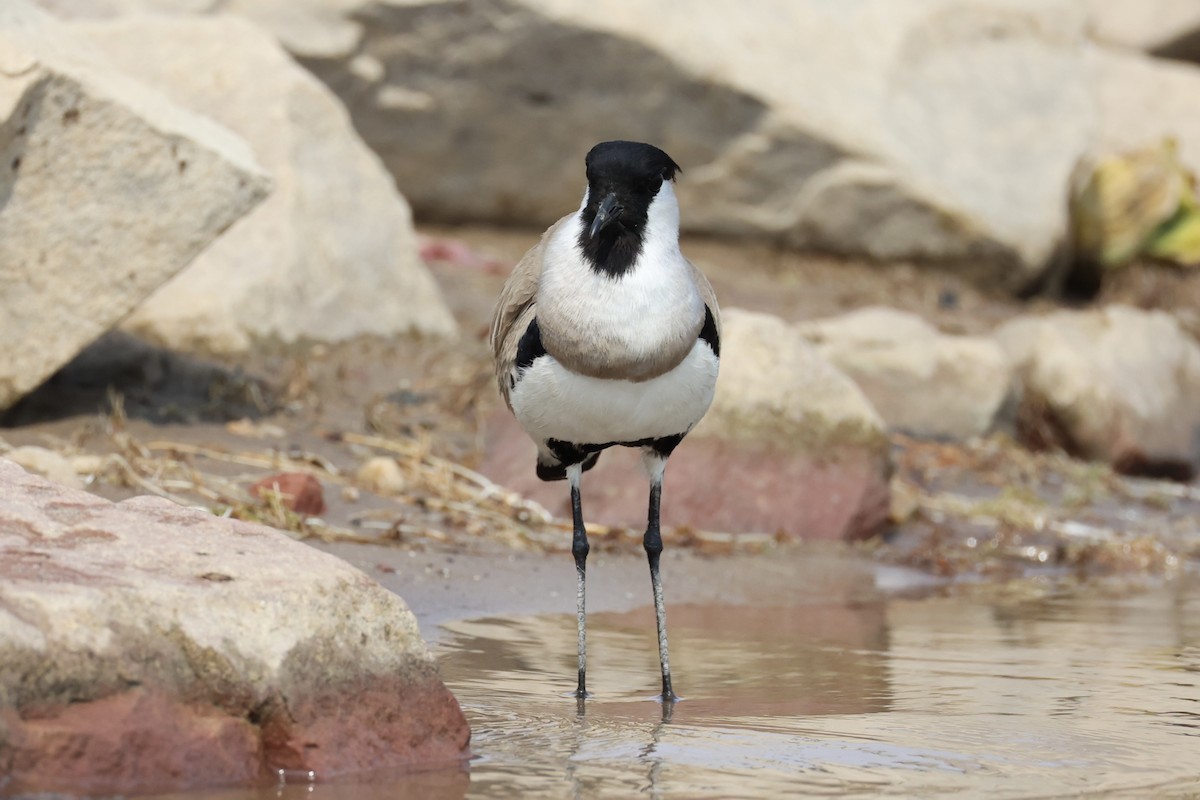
<point>298,491</point>
<point>382,474</point>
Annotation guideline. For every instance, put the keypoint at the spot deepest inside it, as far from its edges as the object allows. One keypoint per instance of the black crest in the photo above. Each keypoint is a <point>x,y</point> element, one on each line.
<point>627,175</point>
<point>618,161</point>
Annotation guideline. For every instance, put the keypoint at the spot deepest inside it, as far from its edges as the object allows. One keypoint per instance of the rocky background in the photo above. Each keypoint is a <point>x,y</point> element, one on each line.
<point>957,244</point>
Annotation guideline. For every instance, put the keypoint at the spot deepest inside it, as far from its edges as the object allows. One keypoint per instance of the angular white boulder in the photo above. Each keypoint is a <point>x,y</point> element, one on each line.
<point>1120,384</point>
<point>920,380</point>
<point>107,189</point>
<point>332,254</point>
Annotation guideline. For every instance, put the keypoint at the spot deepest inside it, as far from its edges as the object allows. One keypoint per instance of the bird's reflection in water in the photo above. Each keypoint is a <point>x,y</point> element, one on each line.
<point>734,664</point>
<point>647,756</point>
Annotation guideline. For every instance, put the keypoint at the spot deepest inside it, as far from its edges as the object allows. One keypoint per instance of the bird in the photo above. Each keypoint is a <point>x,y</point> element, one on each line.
<point>605,335</point>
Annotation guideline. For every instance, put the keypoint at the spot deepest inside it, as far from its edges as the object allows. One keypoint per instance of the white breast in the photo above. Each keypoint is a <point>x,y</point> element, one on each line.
<point>656,301</point>
<point>553,403</point>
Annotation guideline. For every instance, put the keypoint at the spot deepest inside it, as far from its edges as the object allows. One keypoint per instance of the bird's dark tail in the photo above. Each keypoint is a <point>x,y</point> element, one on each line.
<point>557,470</point>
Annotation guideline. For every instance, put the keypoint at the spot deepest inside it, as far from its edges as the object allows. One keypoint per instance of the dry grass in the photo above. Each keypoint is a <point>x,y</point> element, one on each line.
<point>442,501</point>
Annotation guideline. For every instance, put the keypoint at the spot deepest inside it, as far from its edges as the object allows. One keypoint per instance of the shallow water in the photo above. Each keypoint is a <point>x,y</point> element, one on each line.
<point>1069,694</point>
<point>1012,693</point>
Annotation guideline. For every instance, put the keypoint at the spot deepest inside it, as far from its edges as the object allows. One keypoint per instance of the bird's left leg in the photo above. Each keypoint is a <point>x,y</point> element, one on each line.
<point>656,464</point>
<point>579,549</point>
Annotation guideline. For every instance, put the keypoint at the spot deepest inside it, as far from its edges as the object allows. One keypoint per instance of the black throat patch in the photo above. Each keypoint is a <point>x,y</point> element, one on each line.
<point>613,251</point>
<point>629,175</point>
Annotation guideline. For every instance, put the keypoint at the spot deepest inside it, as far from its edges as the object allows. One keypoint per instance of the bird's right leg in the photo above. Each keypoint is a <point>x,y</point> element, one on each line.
<point>579,548</point>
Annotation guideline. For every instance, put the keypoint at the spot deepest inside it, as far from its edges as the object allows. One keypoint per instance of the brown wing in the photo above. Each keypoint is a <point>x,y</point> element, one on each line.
<point>516,309</point>
<point>709,296</point>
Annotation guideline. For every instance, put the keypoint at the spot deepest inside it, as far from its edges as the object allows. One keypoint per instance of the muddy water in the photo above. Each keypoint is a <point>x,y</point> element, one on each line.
<point>1079,692</point>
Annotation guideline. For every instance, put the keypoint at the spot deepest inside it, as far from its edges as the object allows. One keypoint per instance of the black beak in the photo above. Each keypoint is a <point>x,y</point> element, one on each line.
<point>606,214</point>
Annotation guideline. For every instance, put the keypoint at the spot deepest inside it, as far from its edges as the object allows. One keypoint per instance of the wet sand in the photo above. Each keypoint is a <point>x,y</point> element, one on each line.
<point>443,587</point>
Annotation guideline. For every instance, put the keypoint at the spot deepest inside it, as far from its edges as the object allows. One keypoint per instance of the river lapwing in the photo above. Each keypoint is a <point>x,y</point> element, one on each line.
<point>606,335</point>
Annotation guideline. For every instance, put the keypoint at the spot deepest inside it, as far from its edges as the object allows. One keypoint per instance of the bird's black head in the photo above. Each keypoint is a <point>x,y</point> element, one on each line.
<point>623,180</point>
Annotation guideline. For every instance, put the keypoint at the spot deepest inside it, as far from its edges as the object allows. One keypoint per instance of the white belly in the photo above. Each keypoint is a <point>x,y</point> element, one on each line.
<point>552,403</point>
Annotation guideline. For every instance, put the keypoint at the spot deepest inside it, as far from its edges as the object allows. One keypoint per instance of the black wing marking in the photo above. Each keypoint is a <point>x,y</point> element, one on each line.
<point>709,332</point>
<point>529,349</point>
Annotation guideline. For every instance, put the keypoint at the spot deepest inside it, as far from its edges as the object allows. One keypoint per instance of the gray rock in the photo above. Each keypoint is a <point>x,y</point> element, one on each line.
<point>891,128</point>
<point>1117,384</point>
<point>145,647</point>
<point>1167,28</point>
<point>107,189</point>
<point>920,380</point>
<point>332,254</point>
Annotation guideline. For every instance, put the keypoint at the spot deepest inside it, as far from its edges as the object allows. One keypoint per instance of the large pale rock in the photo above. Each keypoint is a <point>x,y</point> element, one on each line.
<point>1119,384</point>
<point>919,380</point>
<point>332,254</point>
<point>942,130</point>
<point>790,446</point>
<point>107,189</point>
<point>145,647</point>
<point>1168,28</point>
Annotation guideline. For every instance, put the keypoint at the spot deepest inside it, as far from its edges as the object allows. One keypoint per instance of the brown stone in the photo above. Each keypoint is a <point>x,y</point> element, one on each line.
<point>710,485</point>
<point>298,491</point>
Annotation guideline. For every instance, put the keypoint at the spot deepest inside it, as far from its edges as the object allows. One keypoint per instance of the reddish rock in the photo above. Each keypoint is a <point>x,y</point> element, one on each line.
<point>710,485</point>
<point>357,731</point>
<point>148,647</point>
<point>299,491</point>
<point>143,739</point>
<point>790,446</point>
